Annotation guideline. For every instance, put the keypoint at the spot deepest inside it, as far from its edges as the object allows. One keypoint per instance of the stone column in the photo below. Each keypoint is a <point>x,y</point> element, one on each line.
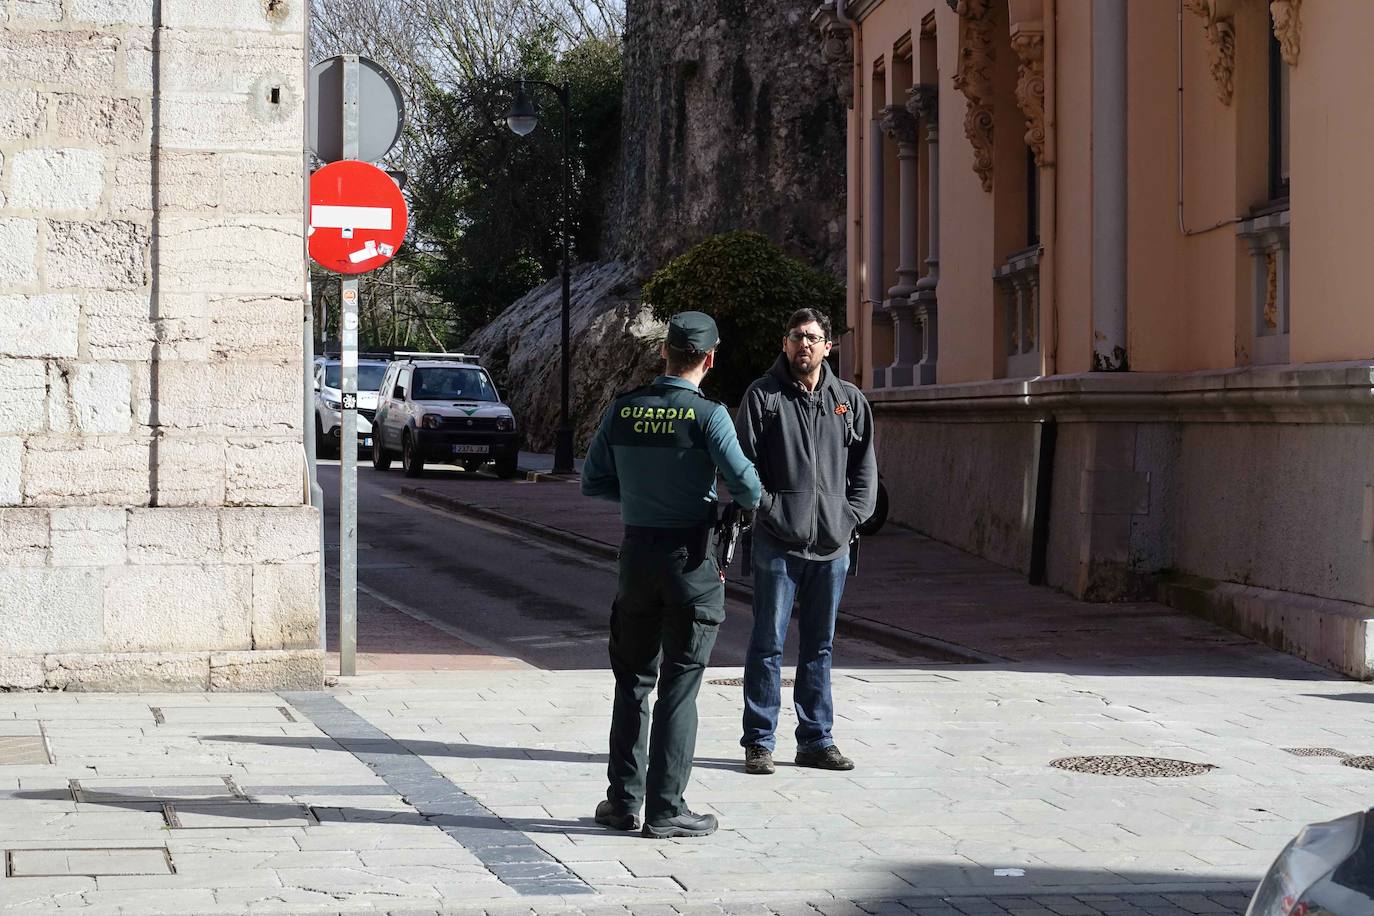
<point>899,124</point>
<point>873,280</point>
<point>923,103</point>
<point>1109,101</point>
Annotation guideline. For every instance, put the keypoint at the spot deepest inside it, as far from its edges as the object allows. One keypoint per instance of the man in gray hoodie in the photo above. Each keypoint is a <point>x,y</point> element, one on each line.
<point>811,436</point>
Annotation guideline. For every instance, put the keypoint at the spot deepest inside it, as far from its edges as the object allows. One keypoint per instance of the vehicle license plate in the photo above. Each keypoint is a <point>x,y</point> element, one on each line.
<point>367,441</point>
<point>471,449</point>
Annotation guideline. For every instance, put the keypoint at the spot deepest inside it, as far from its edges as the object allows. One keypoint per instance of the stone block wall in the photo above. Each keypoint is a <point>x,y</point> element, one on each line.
<point>1244,495</point>
<point>153,525</point>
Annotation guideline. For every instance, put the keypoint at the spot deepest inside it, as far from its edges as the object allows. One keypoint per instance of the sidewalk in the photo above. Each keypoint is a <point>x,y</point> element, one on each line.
<point>471,791</point>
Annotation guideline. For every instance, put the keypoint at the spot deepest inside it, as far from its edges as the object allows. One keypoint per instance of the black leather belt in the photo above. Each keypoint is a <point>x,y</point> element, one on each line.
<point>663,535</point>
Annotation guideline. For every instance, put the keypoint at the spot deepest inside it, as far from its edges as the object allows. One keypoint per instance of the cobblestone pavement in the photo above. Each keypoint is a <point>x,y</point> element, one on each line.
<point>471,791</point>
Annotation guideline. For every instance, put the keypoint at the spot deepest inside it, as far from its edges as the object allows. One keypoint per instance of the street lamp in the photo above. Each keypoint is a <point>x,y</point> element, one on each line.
<point>522,118</point>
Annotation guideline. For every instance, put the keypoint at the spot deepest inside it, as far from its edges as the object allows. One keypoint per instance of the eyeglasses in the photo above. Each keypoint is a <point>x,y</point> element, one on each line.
<point>799,337</point>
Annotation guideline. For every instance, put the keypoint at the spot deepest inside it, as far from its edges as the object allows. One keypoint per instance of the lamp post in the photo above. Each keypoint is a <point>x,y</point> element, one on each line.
<point>522,118</point>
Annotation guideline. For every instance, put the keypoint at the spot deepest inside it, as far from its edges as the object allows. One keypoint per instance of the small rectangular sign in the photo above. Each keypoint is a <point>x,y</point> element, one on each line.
<point>327,217</point>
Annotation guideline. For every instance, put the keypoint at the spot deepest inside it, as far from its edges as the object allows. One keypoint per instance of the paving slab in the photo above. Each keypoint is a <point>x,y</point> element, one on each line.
<point>23,750</point>
<point>53,863</point>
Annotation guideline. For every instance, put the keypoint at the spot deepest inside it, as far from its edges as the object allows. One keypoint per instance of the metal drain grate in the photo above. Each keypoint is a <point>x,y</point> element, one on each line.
<point>739,682</point>
<point>1315,752</point>
<point>1135,767</point>
<point>193,815</point>
<point>1359,763</point>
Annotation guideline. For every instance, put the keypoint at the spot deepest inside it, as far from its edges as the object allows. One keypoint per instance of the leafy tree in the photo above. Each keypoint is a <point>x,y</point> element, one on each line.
<point>749,286</point>
<point>486,203</point>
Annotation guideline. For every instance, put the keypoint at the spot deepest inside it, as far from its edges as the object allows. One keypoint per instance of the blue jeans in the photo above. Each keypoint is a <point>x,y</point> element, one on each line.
<point>816,586</point>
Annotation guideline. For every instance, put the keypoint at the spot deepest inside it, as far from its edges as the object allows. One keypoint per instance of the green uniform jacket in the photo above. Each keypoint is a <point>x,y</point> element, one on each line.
<point>657,451</point>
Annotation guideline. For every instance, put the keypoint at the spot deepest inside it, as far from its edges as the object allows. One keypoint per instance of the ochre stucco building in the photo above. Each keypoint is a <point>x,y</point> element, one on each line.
<point>1105,285</point>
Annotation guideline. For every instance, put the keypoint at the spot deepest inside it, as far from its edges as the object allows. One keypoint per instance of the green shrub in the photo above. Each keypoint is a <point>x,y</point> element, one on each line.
<point>750,287</point>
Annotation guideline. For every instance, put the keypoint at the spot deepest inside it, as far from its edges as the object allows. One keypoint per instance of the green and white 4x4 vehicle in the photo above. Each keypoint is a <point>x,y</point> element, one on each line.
<point>442,408</point>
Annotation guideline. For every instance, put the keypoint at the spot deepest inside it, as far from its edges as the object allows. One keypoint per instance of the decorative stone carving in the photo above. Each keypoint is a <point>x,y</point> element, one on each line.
<point>898,123</point>
<point>837,50</point>
<point>1287,28</point>
<point>1028,41</point>
<point>923,101</point>
<point>1271,290</point>
<point>1220,28</point>
<point>974,79</point>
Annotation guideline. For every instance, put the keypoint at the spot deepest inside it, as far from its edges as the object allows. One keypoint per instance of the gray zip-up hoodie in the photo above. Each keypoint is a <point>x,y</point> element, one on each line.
<point>814,452</point>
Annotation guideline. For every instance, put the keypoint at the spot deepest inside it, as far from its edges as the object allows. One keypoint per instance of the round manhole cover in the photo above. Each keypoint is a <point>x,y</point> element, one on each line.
<point>1359,763</point>
<point>739,682</point>
<point>1138,767</point>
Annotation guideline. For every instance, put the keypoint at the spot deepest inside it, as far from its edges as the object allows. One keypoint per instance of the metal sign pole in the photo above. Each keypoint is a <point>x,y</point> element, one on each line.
<point>348,435</point>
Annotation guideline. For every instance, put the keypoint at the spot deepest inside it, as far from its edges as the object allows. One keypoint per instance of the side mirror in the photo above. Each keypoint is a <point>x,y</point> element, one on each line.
<point>399,392</point>
<point>317,384</point>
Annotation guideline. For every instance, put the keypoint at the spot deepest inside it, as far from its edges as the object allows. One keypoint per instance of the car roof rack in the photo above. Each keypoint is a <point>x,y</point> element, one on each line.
<point>332,351</point>
<point>411,355</point>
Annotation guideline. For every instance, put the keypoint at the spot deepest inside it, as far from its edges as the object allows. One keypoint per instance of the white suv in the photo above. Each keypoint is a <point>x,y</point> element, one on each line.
<point>329,403</point>
<point>443,408</point>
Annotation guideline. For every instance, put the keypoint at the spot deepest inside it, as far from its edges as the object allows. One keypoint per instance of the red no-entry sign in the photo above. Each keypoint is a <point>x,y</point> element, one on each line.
<point>357,217</point>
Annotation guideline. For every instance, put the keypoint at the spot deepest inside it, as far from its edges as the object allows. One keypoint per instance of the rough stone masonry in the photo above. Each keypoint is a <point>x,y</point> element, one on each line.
<point>153,528</point>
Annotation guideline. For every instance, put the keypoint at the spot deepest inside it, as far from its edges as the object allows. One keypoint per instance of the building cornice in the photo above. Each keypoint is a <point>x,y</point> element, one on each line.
<point>837,50</point>
<point>860,9</point>
<point>1333,393</point>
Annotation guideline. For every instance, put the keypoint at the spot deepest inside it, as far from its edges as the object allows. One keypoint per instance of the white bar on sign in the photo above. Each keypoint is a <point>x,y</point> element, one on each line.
<point>326,217</point>
<point>366,253</point>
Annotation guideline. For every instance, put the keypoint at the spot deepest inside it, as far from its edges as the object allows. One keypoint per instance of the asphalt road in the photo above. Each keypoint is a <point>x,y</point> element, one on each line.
<point>545,604</point>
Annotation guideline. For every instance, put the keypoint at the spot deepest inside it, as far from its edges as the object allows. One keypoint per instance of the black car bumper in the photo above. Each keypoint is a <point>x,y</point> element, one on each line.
<point>455,445</point>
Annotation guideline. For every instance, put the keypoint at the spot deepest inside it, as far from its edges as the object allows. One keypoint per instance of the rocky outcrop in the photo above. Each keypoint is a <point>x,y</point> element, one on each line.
<point>614,346</point>
<point>731,121</point>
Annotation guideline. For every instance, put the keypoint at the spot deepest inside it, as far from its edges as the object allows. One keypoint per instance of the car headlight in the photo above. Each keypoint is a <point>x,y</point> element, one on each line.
<point>505,424</point>
<point>333,404</point>
<point>1311,855</point>
<point>431,421</point>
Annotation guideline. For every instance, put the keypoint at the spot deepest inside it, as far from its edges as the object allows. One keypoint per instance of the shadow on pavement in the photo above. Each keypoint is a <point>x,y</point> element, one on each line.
<point>447,749</point>
<point>1348,697</point>
<point>950,885</point>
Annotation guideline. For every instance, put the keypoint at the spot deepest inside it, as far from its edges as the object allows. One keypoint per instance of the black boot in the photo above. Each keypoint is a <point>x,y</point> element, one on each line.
<point>608,815</point>
<point>758,760</point>
<point>828,758</point>
<point>684,824</point>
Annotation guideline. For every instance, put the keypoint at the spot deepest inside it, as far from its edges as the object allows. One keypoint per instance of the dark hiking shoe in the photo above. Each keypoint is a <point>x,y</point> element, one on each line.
<point>758,760</point>
<point>685,824</point>
<point>608,815</point>
<point>828,758</point>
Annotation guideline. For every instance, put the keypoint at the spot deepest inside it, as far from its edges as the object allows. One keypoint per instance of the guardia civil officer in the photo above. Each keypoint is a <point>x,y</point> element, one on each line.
<point>657,452</point>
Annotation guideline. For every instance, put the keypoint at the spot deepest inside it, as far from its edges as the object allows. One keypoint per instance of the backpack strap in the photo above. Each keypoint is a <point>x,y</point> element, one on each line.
<point>772,407</point>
